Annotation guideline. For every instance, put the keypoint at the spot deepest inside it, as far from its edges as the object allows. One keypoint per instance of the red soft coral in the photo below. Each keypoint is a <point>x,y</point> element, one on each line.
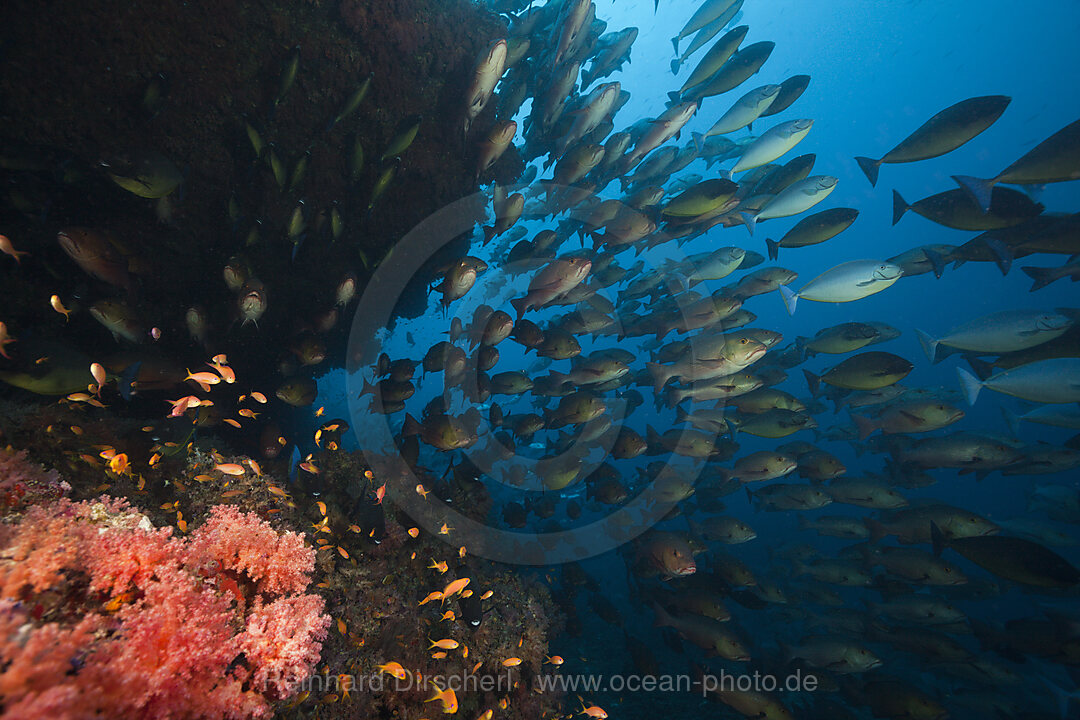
<point>142,624</point>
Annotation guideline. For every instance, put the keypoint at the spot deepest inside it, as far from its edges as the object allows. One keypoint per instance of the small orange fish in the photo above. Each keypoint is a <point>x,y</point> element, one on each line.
<point>422,491</point>
<point>380,493</point>
<point>355,528</point>
<point>554,660</point>
<point>504,703</point>
<point>414,532</point>
<point>448,615</point>
<point>342,628</point>
<point>440,566</point>
<point>99,375</point>
<point>511,662</point>
<point>448,699</point>
<point>320,412</point>
<point>231,493</point>
<point>593,711</point>
<point>120,464</point>
<point>205,379</point>
<point>234,423</point>
<point>254,467</point>
<point>486,715</point>
<point>436,595</point>
<point>461,551</point>
<point>258,397</point>
<point>444,644</point>
<point>309,467</point>
<point>220,364</point>
<point>488,594</point>
<point>58,306</point>
<point>79,397</point>
<point>203,478</point>
<point>393,669</point>
<point>182,524</point>
<point>454,588</point>
<point>230,468</point>
<point>76,430</point>
<point>248,413</point>
<point>477,666</point>
<point>342,552</point>
<point>8,249</point>
<point>445,529</point>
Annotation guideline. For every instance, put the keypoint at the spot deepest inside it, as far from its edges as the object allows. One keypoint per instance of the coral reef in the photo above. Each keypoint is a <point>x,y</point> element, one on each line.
<point>101,613</point>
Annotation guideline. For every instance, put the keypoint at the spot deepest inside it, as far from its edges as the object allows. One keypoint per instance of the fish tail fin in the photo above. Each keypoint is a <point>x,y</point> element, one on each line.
<point>1003,256</point>
<point>651,436</point>
<point>675,65</point>
<point>520,306</point>
<point>681,415</point>
<point>981,368</point>
<point>929,344</point>
<point>699,141</point>
<point>865,426</point>
<point>870,169</point>
<point>1041,276</point>
<point>673,397</point>
<point>980,190</point>
<point>937,262</point>
<point>774,248</point>
<point>969,384</point>
<point>899,207</point>
<point>659,374</point>
<point>750,221</point>
<point>673,98</point>
<point>813,382</point>
<point>1012,420</point>
<point>937,539</point>
<point>489,232</point>
<point>411,426</point>
<point>790,298</point>
<point>675,44</point>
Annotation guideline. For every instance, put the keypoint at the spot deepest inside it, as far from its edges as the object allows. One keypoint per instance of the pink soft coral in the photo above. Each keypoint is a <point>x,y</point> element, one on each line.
<point>142,624</point>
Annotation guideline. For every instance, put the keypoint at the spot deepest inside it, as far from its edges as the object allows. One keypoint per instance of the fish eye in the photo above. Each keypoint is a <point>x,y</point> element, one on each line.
<point>948,570</point>
<point>743,341</point>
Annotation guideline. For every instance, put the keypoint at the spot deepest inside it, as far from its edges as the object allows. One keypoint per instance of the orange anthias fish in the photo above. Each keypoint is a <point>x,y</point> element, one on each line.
<point>440,566</point>
<point>454,588</point>
<point>393,668</point>
<point>58,306</point>
<point>8,249</point>
<point>204,379</point>
<point>444,644</point>
<point>448,699</point>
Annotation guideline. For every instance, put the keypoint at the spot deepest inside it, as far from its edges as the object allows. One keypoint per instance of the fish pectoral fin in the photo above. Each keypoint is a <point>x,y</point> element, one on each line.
<point>864,283</point>
<point>909,416</point>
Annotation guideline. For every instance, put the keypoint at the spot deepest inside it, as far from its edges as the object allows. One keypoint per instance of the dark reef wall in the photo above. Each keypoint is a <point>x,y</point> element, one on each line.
<point>72,87</point>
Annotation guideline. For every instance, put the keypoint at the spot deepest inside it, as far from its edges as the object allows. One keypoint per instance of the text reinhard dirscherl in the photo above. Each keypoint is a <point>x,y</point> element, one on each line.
<point>560,682</point>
